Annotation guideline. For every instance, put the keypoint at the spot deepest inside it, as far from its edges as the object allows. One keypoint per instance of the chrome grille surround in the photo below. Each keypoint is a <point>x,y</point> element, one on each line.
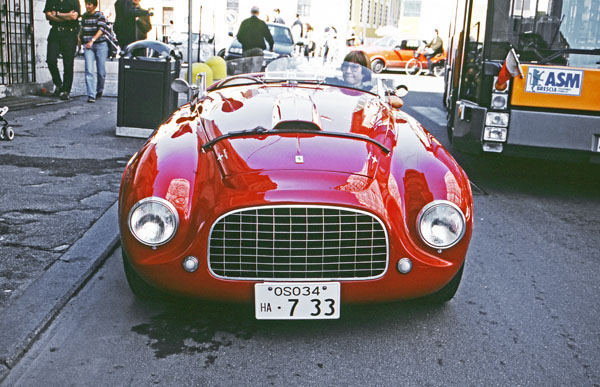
<point>294,242</point>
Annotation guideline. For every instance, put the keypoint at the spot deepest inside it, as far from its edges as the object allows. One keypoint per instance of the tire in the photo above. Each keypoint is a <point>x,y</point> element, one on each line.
<point>378,66</point>
<point>137,284</point>
<point>438,70</point>
<point>446,293</point>
<point>9,133</point>
<point>221,53</point>
<point>413,67</point>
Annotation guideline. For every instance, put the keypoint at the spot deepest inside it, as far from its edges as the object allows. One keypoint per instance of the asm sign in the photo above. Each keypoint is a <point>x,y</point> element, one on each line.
<point>548,80</point>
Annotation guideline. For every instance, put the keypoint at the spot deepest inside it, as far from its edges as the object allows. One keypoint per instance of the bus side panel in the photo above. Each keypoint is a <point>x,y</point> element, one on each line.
<point>555,82</point>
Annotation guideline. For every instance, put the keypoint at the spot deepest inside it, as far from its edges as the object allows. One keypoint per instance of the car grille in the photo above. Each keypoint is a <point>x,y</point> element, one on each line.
<point>296,243</point>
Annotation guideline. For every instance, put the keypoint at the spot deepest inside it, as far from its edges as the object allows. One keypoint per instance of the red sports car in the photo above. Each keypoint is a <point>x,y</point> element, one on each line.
<point>298,192</point>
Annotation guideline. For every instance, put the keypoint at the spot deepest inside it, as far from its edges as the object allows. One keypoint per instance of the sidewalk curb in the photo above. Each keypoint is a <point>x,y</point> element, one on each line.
<point>24,320</point>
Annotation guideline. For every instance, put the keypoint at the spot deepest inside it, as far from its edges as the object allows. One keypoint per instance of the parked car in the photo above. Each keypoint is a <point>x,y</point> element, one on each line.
<point>202,48</point>
<point>394,53</point>
<point>297,192</point>
<point>284,44</point>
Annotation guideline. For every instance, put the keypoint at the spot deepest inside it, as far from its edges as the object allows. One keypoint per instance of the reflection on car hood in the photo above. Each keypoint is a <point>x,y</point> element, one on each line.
<point>308,108</point>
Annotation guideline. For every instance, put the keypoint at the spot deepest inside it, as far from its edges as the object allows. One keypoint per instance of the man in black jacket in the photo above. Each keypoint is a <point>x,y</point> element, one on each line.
<point>252,35</point>
<point>63,16</point>
<point>126,12</point>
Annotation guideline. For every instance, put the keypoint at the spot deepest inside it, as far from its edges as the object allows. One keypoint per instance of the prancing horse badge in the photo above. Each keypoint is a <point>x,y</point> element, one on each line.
<point>299,159</point>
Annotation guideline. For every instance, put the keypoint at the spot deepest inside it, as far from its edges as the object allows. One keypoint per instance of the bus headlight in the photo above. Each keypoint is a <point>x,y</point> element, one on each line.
<point>153,221</point>
<point>491,133</point>
<point>496,119</point>
<point>499,101</point>
<point>441,224</point>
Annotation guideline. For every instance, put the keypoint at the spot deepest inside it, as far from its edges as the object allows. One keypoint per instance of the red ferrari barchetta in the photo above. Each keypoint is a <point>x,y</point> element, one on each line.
<point>298,192</point>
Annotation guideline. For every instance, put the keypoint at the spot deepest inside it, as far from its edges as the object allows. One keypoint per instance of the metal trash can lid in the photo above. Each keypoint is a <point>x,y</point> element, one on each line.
<point>151,48</point>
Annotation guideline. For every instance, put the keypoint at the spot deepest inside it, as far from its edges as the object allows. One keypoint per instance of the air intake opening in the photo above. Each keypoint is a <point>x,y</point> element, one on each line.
<point>298,125</point>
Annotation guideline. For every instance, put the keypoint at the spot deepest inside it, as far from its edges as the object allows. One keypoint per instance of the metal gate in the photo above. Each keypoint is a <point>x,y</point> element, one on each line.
<point>17,54</point>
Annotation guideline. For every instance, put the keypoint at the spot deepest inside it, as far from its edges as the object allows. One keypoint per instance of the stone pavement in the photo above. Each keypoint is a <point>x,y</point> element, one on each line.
<point>59,181</point>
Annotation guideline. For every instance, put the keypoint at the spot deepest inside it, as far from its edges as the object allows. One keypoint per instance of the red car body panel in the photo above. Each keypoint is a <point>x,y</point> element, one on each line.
<point>256,170</point>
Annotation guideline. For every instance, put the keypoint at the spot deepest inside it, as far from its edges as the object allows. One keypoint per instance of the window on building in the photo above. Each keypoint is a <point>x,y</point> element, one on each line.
<point>233,4</point>
<point>303,7</point>
<point>350,10</point>
<point>361,10</point>
<point>386,15</point>
<point>411,8</point>
<point>524,5</point>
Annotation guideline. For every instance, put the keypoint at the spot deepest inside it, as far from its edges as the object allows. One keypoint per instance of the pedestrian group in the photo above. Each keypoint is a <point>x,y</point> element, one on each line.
<point>94,34</point>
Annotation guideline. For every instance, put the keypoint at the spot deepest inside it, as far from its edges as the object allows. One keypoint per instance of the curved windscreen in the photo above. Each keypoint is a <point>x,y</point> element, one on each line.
<point>303,69</point>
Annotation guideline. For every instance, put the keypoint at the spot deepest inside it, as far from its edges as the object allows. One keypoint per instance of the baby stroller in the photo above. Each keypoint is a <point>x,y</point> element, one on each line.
<point>6,133</point>
<point>113,45</point>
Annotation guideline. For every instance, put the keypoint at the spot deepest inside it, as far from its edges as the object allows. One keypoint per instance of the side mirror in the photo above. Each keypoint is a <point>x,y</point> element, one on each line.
<point>401,91</point>
<point>180,86</point>
<point>230,33</point>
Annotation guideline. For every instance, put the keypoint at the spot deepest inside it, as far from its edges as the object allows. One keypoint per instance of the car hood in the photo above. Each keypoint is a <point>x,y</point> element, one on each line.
<point>311,116</point>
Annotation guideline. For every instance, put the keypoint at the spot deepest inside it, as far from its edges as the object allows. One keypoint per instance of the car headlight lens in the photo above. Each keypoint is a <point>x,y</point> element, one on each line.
<point>441,224</point>
<point>153,221</point>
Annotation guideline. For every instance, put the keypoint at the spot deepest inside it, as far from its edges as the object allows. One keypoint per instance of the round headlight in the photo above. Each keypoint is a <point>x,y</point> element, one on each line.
<point>441,224</point>
<point>153,221</point>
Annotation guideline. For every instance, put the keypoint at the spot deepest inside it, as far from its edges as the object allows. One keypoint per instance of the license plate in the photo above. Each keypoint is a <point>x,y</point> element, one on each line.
<point>297,300</point>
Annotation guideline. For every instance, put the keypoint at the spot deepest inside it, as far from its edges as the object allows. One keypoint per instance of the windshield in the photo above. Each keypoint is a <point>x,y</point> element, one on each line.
<point>388,41</point>
<point>561,32</point>
<point>281,34</point>
<point>313,70</point>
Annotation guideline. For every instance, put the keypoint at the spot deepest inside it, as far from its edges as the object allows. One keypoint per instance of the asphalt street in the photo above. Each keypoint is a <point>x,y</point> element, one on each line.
<point>59,183</point>
<point>525,313</point>
<point>511,325</point>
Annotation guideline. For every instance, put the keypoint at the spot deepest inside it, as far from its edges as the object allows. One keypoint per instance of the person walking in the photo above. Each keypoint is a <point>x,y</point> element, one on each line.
<point>436,46</point>
<point>252,35</point>
<point>93,26</point>
<point>277,17</point>
<point>126,13</point>
<point>63,16</point>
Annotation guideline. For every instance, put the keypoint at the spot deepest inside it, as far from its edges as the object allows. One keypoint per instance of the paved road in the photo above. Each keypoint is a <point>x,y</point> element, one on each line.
<point>525,314</point>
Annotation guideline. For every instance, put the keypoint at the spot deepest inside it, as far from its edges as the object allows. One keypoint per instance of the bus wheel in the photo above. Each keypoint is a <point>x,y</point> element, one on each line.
<point>413,67</point>
<point>377,65</point>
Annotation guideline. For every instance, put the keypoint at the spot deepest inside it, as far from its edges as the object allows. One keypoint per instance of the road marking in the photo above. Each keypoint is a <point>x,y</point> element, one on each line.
<point>437,115</point>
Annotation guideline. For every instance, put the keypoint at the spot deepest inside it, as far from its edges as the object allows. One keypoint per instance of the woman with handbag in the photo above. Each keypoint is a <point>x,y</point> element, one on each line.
<point>127,12</point>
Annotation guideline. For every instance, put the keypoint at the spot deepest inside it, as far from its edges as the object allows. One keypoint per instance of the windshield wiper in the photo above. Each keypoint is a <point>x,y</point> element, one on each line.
<point>238,133</point>
<point>593,51</point>
<point>259,130</point>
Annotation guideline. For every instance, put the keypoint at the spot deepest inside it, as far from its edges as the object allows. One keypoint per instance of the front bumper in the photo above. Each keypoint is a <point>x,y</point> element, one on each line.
<point>531,133</point>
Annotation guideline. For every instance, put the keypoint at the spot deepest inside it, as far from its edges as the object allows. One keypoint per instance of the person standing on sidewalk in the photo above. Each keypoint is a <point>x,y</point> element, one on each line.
<point>93,25</point>
<point>63,16</point>
<point>125,27</point>
<point>252,35</point>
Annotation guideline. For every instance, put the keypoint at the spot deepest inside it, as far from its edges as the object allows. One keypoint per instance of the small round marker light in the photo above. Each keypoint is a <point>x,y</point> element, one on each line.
<point>404,265</point>
<point>190,264</point>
